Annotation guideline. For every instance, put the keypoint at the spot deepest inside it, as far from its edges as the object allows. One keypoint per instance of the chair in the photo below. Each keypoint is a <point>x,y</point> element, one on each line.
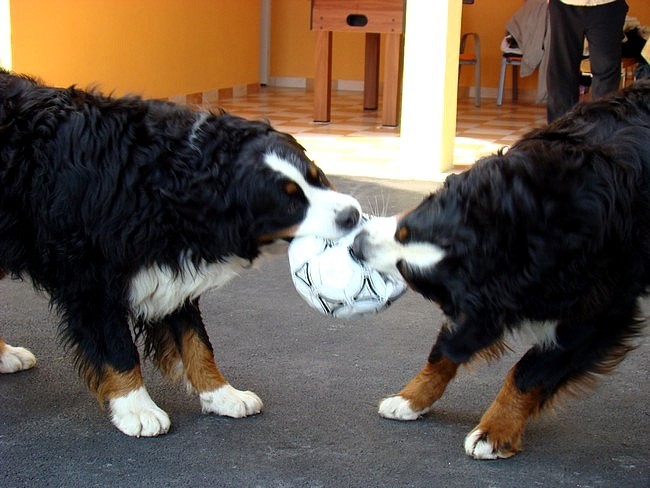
<point>514,60</point>
<point>628,66</point>
<point>472,58</point>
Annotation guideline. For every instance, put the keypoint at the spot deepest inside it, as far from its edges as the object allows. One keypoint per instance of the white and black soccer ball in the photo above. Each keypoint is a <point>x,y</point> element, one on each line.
<point>333,281</point>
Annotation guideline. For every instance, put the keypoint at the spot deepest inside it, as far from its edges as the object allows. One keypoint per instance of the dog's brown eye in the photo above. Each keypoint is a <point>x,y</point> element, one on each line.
<point>290,188</point>
<point>402,234</point>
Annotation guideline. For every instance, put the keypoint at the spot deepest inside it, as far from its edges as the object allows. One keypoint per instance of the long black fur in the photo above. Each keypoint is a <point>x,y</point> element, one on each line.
<point>555,229</point>
<point>95,188</point>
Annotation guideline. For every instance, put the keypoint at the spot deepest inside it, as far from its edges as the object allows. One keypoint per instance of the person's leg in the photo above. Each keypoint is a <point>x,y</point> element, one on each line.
<point>565,53</point>
<point>604,31</point>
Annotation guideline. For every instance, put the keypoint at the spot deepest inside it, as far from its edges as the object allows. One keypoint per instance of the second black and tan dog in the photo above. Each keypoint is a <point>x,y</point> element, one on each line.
<point>552,236</point>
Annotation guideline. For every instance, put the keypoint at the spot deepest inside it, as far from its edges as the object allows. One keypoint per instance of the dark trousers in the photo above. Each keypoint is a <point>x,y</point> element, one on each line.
<point>602,25</point>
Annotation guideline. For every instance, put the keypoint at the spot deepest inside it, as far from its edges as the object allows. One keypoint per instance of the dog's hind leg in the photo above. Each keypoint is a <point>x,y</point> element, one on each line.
<point>181,347</point>
<point>498,435</point>
<point>14,359</point>
<point>581,351</point>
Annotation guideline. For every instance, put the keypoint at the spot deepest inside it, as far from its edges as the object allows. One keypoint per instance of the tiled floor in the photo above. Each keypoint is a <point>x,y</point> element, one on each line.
<point>355,143</point>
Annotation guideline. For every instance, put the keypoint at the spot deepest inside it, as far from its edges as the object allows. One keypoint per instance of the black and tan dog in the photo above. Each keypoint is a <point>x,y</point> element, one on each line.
<point>125,211</point>
<point>552,236</point>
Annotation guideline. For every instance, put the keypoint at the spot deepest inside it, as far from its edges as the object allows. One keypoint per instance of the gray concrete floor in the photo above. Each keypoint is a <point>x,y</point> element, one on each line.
<point>321,380</point>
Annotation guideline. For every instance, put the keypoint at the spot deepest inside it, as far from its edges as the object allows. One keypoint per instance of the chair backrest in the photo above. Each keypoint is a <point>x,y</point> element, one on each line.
<point>473,56</point>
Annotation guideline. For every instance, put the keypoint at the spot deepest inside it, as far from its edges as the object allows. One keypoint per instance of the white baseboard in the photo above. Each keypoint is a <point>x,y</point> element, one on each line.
<point>293,82</point>
<point>287,82</point>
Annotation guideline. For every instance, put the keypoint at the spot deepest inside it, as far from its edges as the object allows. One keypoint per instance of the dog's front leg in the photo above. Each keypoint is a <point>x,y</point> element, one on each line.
<point>181,347</point>
<point>108,361</point>
<point>419,395</point>
<point>132,409</point>
<point>452,348</point>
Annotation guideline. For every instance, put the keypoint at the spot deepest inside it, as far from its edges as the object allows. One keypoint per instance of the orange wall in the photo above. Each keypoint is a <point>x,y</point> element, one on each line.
<point>292,45</point>
<point>158,48</point>
<point>162,48</point>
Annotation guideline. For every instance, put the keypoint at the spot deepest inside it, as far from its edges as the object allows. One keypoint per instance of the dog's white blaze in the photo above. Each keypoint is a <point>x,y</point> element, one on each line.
<point>157,291</point>
<point>137,415</point>
<point>324,204</point>
<point>383,251</point>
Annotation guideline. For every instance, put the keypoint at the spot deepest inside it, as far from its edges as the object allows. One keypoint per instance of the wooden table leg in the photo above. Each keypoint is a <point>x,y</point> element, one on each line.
<point>371,72</point>
<point>392,79</point>
<point>323,77</point>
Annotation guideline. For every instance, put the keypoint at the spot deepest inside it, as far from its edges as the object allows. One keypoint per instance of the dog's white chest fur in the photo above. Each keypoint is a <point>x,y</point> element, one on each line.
<point>157,291</point>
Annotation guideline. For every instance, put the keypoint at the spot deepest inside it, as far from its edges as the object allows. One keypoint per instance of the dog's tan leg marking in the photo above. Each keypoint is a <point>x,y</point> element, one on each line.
<point>114,384</point>
<point>216,394</point>
<point>194,360</point>
<point>14,359</point>
<point>498,434</point>
<point>417,397</point>
<point>429,384</point>
<point>161,346</point>
<point>200,368</point>
<point>132,409</point>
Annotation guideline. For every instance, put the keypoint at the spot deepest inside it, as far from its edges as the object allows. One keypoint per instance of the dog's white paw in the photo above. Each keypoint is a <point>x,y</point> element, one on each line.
<point>479,446</point>
<point>137,415</point>
<point>399,408</point>
<point>14,359</point>
<point>230,402</point>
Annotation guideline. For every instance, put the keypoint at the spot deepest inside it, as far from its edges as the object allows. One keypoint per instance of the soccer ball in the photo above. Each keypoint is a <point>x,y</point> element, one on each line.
<point>332,280</point>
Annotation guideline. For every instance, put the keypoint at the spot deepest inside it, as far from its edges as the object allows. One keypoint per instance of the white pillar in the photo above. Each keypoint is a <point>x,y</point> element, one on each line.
<point>429,87</point>
<point>5,35</point>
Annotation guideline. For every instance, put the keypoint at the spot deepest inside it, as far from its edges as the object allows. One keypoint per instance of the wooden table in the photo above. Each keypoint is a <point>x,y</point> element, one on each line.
<point>374,18</point>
